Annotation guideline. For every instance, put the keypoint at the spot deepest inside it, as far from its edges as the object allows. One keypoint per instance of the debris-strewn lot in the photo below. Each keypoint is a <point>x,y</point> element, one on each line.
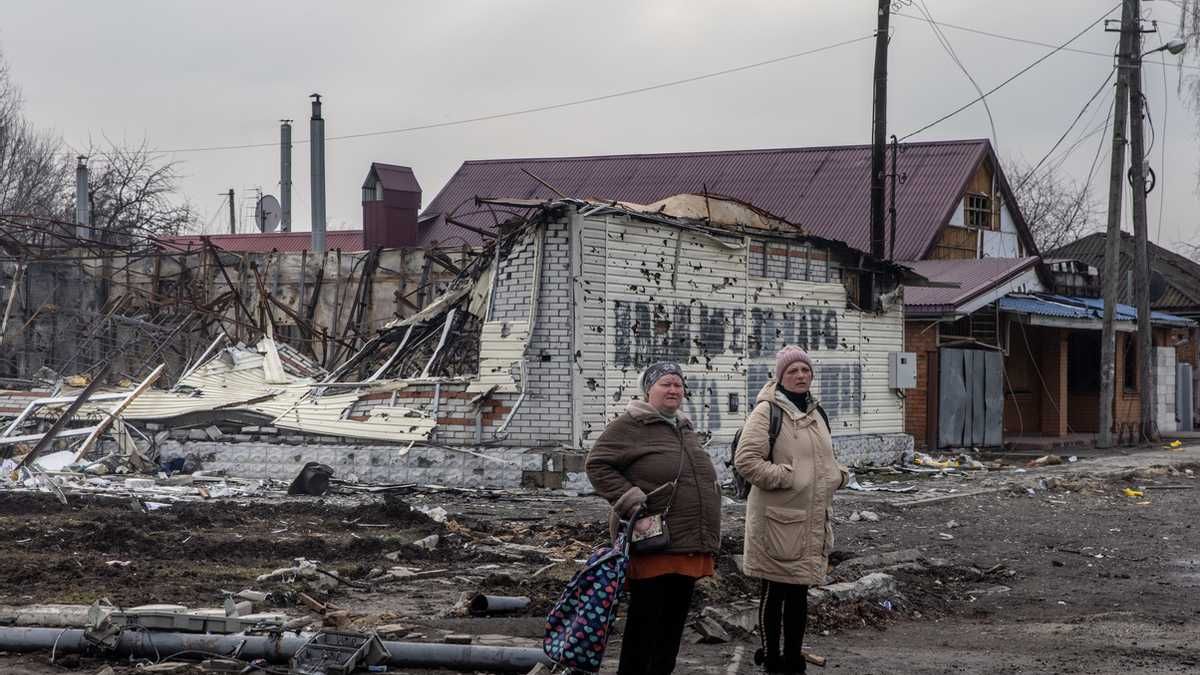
<point>1047,571</point>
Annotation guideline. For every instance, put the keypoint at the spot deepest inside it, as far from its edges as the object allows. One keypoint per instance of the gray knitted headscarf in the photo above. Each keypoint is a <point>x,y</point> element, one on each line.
<point>657,371</point>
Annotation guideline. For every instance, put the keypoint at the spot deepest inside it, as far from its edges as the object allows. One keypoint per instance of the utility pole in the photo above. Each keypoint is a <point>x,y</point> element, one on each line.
<point>232,214</point>
<point>1148,430</point>
<point>1112,240</point>
<point>879,130</point>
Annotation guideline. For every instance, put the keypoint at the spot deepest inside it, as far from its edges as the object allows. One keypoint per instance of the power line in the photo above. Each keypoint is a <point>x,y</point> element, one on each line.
<point>1162,192</point>
<point>945,42</point>
<point>1014,76</point>
<point>541,108</point>
<point>1013,38</point>
<point>1075,121</point>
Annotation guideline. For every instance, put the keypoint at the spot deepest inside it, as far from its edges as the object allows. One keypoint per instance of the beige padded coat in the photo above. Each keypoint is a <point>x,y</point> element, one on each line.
<point>788,513</point>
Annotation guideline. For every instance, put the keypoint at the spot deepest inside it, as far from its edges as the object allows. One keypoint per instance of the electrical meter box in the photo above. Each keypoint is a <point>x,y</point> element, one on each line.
<point>902,370</point>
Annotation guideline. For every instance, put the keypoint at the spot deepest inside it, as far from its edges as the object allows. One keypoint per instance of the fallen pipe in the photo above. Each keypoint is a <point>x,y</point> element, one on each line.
<point>496,604</point>
<point>275,648</point>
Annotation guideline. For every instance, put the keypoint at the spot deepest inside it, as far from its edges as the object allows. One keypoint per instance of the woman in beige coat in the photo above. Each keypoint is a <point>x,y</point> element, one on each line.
<point>788,533</point>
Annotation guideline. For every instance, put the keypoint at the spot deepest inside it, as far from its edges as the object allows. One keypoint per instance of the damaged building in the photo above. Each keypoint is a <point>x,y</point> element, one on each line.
<point>510,374</point>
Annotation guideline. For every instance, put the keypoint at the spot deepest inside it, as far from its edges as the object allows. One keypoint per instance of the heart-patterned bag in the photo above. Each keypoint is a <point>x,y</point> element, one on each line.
<point>578,626</point>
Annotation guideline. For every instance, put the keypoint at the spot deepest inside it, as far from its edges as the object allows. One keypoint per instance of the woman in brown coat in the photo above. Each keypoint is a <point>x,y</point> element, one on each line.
<point>649,461</point>
<point>788,533</point>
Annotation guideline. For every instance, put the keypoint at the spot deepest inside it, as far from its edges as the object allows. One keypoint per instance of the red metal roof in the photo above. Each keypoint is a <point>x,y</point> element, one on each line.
<point>345,240</point>
<point>826,190</point>
<point>974,277</point>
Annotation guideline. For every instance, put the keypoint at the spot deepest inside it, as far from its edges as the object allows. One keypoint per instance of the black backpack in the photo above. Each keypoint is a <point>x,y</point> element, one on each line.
<point>741,486</point>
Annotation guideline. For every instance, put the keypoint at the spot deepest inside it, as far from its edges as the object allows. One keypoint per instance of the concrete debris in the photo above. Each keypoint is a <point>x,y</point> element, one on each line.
<point>739,618</point>
<point>710,631</point>
<point>869,516</point>
<point>872,586</point>
<point>428,543</point>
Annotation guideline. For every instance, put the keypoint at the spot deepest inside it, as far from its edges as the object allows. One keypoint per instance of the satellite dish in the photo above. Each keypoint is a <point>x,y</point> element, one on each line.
<point>266,213</point>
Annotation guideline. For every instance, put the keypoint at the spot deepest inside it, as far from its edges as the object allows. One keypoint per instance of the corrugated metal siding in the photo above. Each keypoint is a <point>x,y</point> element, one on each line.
<point>592,330</point>
<point>724,323</point>
<point>825,190</point>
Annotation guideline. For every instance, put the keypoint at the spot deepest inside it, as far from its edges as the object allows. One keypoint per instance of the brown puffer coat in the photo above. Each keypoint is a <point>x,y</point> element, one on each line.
<point>641,449</point>
<point>788,513</point>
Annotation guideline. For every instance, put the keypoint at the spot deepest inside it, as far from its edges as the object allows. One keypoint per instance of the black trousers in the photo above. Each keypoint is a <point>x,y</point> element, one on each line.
<point>654,623</point>
<point>783,608</point>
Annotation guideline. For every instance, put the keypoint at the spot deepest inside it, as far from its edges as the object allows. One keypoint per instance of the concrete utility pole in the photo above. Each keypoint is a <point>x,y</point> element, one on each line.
<point>83,204</point>
<point>232,214</point>
<point>1112,242</point>
<point>1148,385</point>
<point>879,130</point>
<point>316,144</point>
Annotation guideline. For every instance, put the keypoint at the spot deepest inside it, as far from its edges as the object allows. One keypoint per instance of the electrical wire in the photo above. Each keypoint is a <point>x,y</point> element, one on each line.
<point>1064,135</point>
<point>1162,192</point>
<point>541,108</point>
<point>1014,76</point>
<point>1013,38</point>
<point>945,42</point>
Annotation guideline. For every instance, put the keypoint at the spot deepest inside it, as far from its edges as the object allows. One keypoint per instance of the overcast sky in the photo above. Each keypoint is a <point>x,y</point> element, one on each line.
<point>199,74</point>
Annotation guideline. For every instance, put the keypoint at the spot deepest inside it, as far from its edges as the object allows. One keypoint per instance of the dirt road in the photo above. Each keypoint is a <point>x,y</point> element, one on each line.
<point>1048,571</point>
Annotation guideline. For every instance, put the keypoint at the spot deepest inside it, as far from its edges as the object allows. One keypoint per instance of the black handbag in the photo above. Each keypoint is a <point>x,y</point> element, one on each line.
<point>650,533</point>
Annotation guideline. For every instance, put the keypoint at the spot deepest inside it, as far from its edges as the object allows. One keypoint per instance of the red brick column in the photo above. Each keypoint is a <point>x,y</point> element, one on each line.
<point>1052,361</point>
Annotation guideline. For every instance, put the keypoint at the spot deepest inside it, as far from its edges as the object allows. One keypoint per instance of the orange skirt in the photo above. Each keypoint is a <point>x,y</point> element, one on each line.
<point>649,565</point>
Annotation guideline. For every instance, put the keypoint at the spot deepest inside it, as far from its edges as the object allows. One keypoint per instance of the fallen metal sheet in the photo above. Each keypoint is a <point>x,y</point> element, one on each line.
<point>498,353</point>
<point>439,306</point>
<point>117,410</point>
<point>28,438</point>
<point>242,385</point>
<point>868,486</point>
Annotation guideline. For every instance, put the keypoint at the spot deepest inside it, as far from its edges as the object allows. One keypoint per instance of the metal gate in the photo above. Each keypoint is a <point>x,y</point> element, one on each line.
<point>970,398</point>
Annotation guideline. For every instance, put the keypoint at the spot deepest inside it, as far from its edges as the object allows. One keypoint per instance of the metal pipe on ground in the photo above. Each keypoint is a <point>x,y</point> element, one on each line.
<point>274,648</point>
<point>496,604</point>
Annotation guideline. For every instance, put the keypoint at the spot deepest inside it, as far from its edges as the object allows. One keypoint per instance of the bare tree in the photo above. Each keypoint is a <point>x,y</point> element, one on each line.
<point>133,194</point>
<point>34,170</point>
<point>1057,209</point>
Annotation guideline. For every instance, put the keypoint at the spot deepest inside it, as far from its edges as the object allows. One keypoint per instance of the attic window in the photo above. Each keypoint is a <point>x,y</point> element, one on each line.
<point>374,193</point>
<point>979,211</point>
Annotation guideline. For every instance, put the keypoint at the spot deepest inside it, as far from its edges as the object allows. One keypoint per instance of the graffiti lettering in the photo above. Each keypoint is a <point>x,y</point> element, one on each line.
<point>644,333</point>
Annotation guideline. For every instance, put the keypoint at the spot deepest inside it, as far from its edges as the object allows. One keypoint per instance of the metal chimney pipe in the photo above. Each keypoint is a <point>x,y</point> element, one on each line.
<point>83,206</point>
<point>316,137</point>
<point>285,176</point>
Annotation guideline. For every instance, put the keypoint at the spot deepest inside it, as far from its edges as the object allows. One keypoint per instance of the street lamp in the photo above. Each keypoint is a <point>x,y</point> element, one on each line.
<point>1175,47</point>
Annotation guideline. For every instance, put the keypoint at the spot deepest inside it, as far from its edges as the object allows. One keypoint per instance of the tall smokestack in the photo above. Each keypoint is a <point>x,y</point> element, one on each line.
<point>83,206</point>
<point>285,176</point>
<point>316,139</point>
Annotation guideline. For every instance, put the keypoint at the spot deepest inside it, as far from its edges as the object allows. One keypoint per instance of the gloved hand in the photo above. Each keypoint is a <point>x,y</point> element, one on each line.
<point>629,503</point>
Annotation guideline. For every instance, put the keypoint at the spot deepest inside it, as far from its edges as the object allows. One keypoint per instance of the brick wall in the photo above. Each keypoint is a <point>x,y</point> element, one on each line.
<point>920,337</point>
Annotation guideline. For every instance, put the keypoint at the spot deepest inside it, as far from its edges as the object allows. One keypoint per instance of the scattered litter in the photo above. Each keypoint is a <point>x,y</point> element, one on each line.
<point>1130,492</point>
<point>436,513</point>
<point>1072,459</point>
<point>1045,460</point>
<point>945,536</point>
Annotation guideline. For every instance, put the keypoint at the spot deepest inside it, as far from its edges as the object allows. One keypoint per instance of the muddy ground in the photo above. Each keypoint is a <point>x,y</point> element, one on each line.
<point>1053,570</point>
